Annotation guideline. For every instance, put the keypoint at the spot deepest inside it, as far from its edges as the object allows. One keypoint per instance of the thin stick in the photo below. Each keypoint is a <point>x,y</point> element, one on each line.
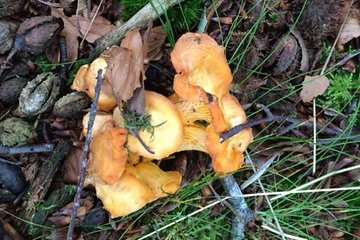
<point>10,162</point>
<point>63,57</point>
<point>35,148</point>
<point>240,206</point>
<point>85,154</point>
<point>322,73</point>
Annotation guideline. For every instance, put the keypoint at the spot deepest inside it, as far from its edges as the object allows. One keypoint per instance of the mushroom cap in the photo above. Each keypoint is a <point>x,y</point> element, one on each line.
<point>168,128</point>
<point>161,183</point>
<point>108,155</point>
<point>125,196</point>
<point>102,122</point>
<point>85,81</point>
<point>200,62</point>
<point>137,186</point>
<point>227,156</point>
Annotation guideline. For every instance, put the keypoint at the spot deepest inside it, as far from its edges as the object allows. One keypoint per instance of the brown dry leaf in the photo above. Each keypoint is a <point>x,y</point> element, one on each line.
<point>72,166</point>
<point>70,32</point>
<point>351,29</point>
<point>129,74</point>
<point>99,27</point>
<point>313,86</point>
<point>153,42</point>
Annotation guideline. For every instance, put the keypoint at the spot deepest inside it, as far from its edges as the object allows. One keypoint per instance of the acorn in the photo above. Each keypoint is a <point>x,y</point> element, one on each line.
<point>16,131</point>
<point>71,105</point>
<point>39,95</point>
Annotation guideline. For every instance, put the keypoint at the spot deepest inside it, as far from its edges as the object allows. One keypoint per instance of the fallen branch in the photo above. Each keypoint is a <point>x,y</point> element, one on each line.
<point>148,13</point>
<point>84,156</point>
<point>239,204</point>
<point>36,148</point>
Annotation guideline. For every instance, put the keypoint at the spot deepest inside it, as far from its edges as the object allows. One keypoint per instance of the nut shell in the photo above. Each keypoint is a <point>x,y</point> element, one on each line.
<point>39,95</point>
<point>71,105</point>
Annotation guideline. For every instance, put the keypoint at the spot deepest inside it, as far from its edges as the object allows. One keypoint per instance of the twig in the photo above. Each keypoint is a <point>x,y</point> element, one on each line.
<point>238,224</point>
<point>85,154</point>
<point>63,57</point>
<point>10,162</point>
<point>36,148</point>
<point>270,118</point>
<point>347,58</point>
<point>148,13</point>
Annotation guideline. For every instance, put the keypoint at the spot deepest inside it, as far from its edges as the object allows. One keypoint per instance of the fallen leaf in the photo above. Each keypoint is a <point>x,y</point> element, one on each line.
<point>98,27</point>
<point>313,86</point>
<point>129,75</point>
<point>70,32</point>
<point>153,42</point>
<point>351,29</point>
<point>72,166</point>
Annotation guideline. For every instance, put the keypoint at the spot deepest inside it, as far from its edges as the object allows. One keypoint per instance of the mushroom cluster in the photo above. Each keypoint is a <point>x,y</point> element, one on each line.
<point>121,165</point>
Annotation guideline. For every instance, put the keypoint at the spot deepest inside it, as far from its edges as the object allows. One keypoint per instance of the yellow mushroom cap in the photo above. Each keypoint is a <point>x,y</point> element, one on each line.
<point>137,186</point>
<point>102,122</point>
<point>108,155</point>
<point>125,196</point>
<point>168,131</point>
<point>200,62</point>
<point>161,183</point>
<point>85,81</point>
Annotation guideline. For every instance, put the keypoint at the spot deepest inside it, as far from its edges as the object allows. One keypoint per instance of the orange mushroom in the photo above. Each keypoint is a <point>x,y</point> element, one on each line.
<point>102,122</point>
<point>137,186</point>
<point>108,155</point>
<point>85,81</point>
<point>201,67</point>
<point>168,128</point>
<point>228,155</point>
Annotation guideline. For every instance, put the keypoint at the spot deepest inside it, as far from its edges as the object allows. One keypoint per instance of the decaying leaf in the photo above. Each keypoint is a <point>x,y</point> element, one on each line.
<point>128,75</point>
<point>313,86</point>
<point>351,29</point>
<point>99,26</point>
<point>77,26</point>
<point>70,32</point>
